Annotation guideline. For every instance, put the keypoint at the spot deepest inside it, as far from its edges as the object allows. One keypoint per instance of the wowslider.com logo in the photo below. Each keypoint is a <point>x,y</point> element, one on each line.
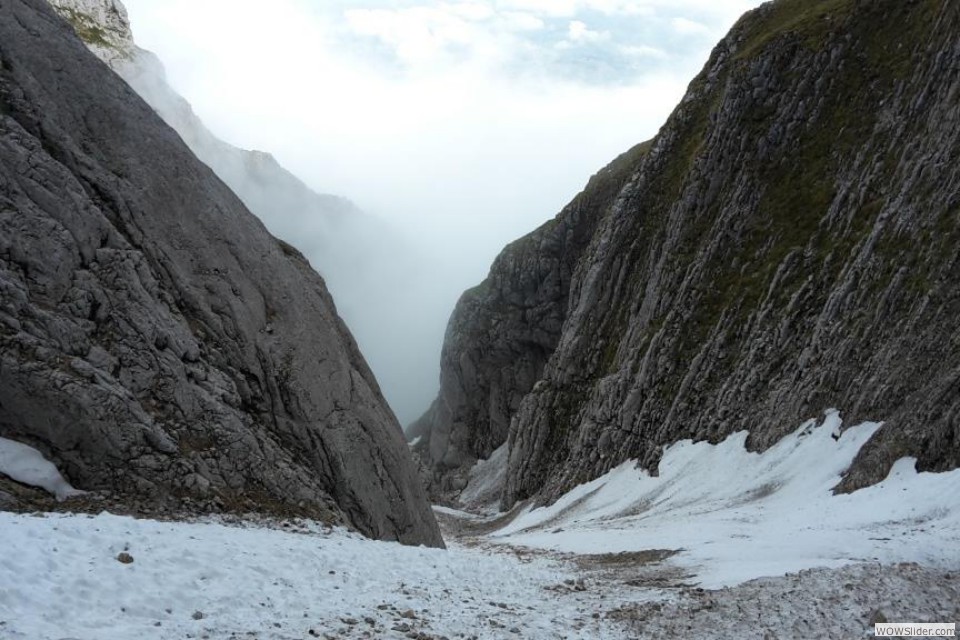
<point>914,630</point>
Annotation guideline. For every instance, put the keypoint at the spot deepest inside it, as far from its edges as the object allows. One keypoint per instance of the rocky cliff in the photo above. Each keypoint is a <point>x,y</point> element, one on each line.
<point>276,195</point>
<point>786,245</point>
<point>104,26</point>
<point>367,265</point>
<point>155,340</point>
<point>502,333</point>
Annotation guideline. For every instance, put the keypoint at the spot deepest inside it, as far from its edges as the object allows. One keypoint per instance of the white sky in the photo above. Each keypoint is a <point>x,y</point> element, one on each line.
<point>465,123</point>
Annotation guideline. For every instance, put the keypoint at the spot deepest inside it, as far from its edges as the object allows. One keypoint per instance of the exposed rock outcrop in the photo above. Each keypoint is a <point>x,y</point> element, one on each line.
<point>366,264</point>
<point>788,244</point>
<point>155,340</point>
<point>278,197</point>
<point>104,26</point>
<point>502,333</point>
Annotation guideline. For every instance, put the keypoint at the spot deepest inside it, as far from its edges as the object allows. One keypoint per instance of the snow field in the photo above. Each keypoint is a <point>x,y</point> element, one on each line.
<point>737,515</point>
<point>732,516</point>
<point>60,578</point>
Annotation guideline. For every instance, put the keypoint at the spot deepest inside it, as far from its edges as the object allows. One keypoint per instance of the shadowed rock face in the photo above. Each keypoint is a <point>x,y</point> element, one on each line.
<point>502,333</point>
<point>787,245</point>
<point>155,340</point>
<point>367,265</point>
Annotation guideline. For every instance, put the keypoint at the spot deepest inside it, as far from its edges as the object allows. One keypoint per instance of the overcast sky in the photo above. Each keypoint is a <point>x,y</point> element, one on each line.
<point>466,124</point>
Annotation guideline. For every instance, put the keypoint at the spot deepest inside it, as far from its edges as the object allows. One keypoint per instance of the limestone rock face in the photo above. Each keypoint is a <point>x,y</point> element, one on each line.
<point>502,333</point>
<point>155,340</point>
<point>264,186</point>
<point>103,25</point>
<point>341,241</point>
<point>788,244</point>
<point>366,262</point>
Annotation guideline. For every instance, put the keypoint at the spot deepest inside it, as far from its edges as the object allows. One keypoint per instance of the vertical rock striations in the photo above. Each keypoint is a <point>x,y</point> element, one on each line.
<point>788,244</point>
<point>502,333</point>
<point>155,340</point>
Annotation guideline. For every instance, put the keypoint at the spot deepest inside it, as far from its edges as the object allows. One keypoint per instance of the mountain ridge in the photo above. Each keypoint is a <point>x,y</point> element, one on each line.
<point>369,264</point>
<point>104,27</point>
<point>803,192</point>
<point>156,342</point>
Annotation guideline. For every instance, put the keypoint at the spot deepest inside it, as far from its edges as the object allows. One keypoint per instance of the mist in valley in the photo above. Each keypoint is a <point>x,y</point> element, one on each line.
<point>444,129</point>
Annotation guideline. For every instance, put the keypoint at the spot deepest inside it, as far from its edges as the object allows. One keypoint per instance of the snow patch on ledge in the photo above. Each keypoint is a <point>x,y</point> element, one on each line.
<point>738,515</point>
<point>26,465</point>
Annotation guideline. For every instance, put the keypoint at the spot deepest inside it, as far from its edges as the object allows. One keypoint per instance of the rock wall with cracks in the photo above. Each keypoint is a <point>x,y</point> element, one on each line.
<point>501,334</point>
<point>788,244</point>
<point>155,340</point>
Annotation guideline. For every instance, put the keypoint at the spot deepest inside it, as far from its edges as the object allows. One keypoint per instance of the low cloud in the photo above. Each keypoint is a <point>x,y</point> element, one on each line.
<point>686,26</point>
<point>578,31</point>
